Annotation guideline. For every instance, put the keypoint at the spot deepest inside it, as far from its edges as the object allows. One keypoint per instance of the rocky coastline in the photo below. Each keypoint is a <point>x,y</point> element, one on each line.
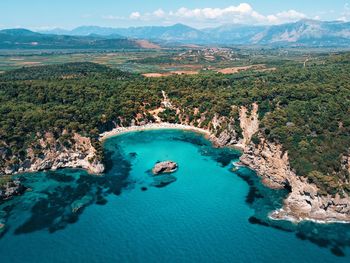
<point>54,156</point>
<point>271,163</point>
<point>304,203</point>
<point>80,154</point>
<point>11,188</point>
<point>268,159</point>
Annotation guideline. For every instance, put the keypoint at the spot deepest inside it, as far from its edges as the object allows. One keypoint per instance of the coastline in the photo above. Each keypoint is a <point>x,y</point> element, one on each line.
<point>167,126</point>
<point>280,214</point>
<point>275,215</point>
<point>153,126</point>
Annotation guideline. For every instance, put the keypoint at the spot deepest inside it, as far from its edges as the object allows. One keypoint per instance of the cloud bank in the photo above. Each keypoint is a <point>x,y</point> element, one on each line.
<point>346,13</point>
<point>240,14</point>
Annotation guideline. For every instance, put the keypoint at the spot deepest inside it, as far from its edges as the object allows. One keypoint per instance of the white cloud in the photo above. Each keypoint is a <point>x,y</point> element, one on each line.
<point>159,13</point>
<point>286,16</point>
<point>242,13</point>
<point>135,15</point>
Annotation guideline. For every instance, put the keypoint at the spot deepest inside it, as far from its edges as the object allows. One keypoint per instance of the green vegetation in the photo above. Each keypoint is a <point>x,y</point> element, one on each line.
<point>26,39</point>
<point>305,109</point>
<point>4,179</point>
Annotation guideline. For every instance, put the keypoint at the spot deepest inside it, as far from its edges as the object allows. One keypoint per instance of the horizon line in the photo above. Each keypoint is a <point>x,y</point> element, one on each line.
<point>37,29</point>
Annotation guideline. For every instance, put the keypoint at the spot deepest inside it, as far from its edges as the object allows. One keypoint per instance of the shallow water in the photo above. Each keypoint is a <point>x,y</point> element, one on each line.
<point>209,214</point>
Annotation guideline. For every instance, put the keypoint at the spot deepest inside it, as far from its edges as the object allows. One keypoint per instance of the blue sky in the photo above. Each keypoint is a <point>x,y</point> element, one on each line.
<point>42,14</point>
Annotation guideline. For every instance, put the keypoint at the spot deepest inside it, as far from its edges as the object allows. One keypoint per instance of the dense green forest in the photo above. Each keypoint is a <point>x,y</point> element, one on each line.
<point>304,108</point>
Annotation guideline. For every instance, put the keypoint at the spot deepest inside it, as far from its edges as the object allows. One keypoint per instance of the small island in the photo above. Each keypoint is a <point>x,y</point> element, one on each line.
<point>164,167</point>
<point>162,173</point>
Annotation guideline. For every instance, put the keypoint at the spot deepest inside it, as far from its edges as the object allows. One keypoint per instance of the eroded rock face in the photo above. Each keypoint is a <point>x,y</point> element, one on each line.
<point>164,167</point>
<point>249,123</point>
<point>304,202</point>
<point>80,155</point>
<point>228,136</point>
<point>270,162</point>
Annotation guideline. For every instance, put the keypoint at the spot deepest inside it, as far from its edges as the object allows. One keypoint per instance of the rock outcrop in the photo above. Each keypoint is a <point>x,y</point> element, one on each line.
<point>228,136</point>
<point>164,167</point>
<point>249,124</point>
<point>54,155</point>
<point>304,201</point>
<point>11,188</point>
<point>270,162</point>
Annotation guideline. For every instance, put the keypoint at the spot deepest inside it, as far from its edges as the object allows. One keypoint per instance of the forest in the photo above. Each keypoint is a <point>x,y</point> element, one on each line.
<point>306,109</point>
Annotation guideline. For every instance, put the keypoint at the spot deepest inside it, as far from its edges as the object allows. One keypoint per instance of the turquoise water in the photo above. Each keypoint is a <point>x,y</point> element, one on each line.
<point>208,214</point>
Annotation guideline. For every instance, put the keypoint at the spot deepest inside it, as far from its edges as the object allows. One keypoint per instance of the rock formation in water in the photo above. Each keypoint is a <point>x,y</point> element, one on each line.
<point>164,167</point>
<point>11,188</point>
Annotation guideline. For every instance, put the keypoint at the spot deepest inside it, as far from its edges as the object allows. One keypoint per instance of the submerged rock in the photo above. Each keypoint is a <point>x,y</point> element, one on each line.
<point>164,167</point>
<point>163,180</point>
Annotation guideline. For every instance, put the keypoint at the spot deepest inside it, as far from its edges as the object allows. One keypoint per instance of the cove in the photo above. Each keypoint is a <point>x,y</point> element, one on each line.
<point>211,213</point>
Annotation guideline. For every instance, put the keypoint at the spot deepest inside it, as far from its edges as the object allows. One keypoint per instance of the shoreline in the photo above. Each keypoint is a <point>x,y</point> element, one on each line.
<point>290,218</point>
<point>273,215</point>
<point>152,126</point>
<point>211,137</point>
<point>167,126</point>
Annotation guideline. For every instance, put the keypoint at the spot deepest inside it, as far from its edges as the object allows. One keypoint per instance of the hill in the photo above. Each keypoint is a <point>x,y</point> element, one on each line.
<point>26,39</point>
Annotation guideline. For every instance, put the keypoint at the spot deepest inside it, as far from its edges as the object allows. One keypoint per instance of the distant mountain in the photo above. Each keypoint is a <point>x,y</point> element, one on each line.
<point>174,33</point>
<point>26,39</point>
<point>304,32</point>
<point>307,32</point>
<point>85,31</point>
<point>234,34</point>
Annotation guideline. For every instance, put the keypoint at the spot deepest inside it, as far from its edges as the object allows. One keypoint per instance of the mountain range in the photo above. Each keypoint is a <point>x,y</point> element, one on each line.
<point>304,32</point>
<point>301,33</point>
<point>26,39</point>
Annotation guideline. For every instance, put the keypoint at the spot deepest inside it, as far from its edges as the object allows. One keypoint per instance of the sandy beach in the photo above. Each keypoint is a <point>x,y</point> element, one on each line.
<point>152,126</point>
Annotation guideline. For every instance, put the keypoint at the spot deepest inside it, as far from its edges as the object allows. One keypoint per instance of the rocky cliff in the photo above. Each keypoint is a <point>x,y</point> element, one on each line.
<point>50,153</point>
<point>304,201</point>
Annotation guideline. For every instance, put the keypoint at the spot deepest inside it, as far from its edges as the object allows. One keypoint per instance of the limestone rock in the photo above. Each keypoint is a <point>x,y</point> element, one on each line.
<point>80,155</point>
<point>10,189</point>
<point>304,201</point>
<point>164,167</point>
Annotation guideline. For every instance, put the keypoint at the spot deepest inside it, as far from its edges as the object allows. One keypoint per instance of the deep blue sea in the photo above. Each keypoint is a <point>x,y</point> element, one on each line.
<point>207,211</point>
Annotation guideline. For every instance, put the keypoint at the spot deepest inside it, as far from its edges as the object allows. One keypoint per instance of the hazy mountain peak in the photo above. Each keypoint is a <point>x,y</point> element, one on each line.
<point>18,32</point>
<point>305,32</point>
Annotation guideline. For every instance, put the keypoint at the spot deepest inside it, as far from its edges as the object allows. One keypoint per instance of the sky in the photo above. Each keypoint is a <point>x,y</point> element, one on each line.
<point>68,14</point>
